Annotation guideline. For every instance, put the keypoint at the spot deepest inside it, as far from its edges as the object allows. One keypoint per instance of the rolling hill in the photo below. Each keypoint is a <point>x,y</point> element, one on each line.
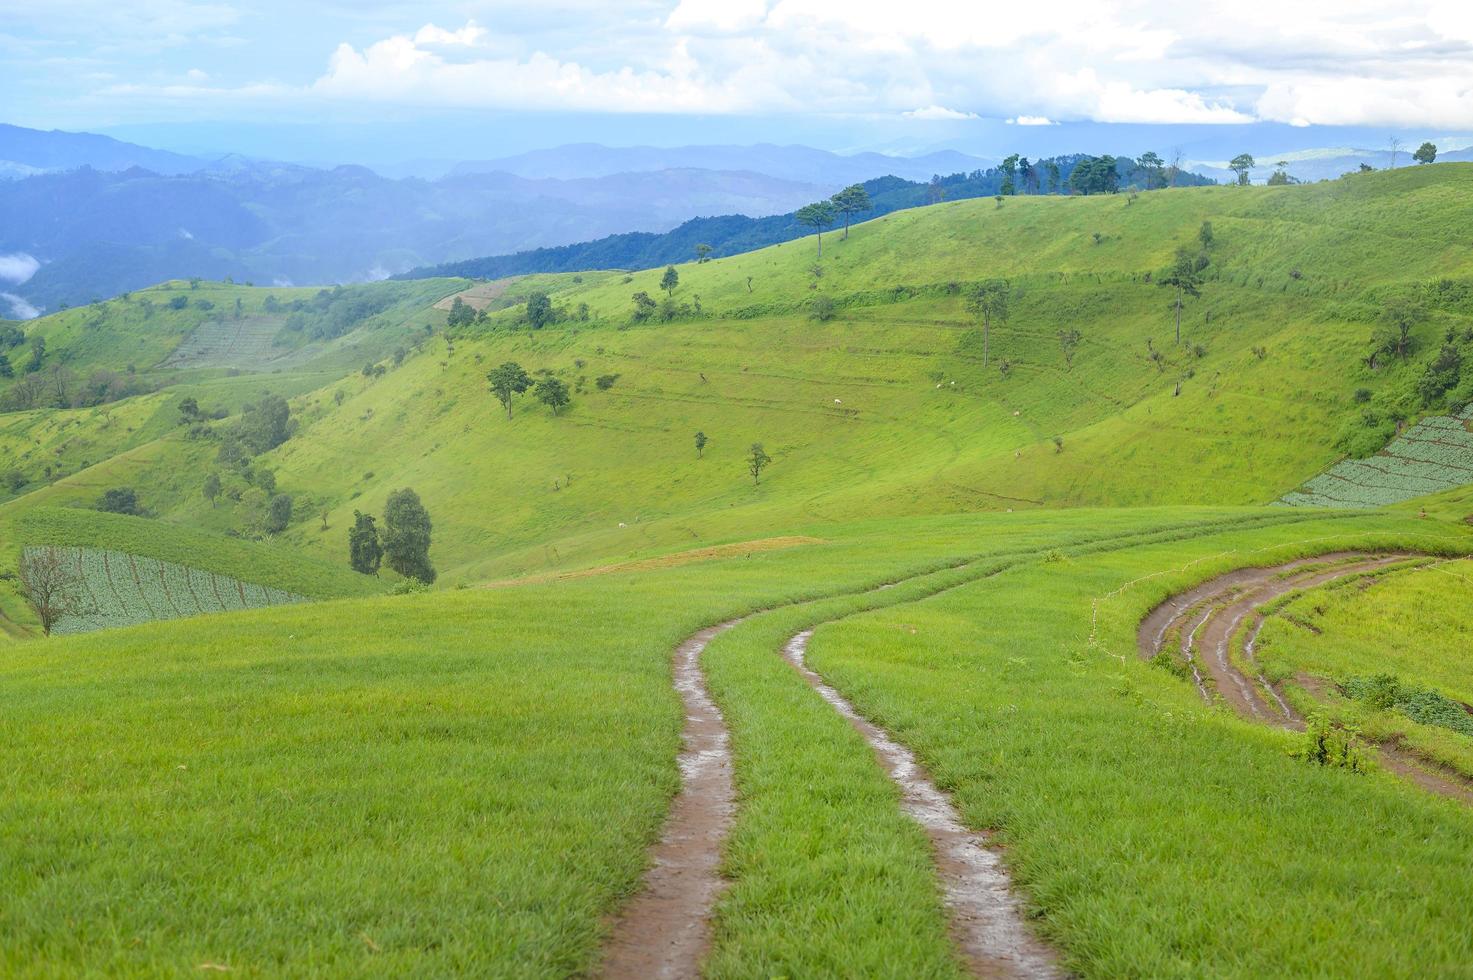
<point>963,533</point>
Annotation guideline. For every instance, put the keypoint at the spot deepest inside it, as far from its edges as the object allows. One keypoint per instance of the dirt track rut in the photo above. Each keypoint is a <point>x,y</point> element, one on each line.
<point>1209,616</point>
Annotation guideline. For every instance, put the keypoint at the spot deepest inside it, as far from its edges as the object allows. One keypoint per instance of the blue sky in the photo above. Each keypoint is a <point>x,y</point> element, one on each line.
<point>465,78</point>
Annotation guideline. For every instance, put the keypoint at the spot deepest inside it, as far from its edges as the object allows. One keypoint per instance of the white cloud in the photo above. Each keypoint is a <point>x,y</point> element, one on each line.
<point>1125,61</point>
<point>19,308</point>
<point>1031,121</point>
<point>468,36</point>
<point>17,267</point>
<point>938,112</point>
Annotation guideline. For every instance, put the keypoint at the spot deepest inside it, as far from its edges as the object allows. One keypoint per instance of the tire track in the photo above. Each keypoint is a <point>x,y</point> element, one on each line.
<point>665,931</point>
<point>986,917</point>
<point>1218,608</point>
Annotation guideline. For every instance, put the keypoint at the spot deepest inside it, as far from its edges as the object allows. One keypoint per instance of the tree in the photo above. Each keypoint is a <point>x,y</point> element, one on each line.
<point>703,252</point>
<point>821,308</point>
<point>552,393</point>
<point>1095,175</point>
<point>1426,153</point>
<point>757,460</point>
<point>1394,335</point>
<point>1394,144</point>
<point>266,424</point>
<point>1009,170</point>
<point>1153,166</point>
<point>818,217</point>
<point>407,536</point>
<point>278,513</point>
<point>212,488</point>
<point>1069,344</point>
<point>701,441</point>
<point>644,306</point>
<point>852,200</point>
<point>119,500</point>
<point>6,369</point>
<point>38,354</point>
<point>1204,234</point>
<point>188,410</point>
<point>1241,165</point>
<point>670,280</point>
<point>1186,278</point>
<point>539,310</point>
<point>508,381</point>
<point>364,551</point>
<point>1052,167</point>
<point>988,301</point>
<point>50,585</point>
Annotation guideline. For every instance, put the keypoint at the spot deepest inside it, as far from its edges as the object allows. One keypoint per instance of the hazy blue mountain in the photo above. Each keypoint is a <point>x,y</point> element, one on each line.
<point>96,233</point>
<point>801,163</point>
<point>24,152</point>
<point>731,234</point>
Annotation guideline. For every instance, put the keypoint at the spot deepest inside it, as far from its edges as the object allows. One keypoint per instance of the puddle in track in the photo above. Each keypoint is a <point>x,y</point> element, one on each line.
<point>986,916</point>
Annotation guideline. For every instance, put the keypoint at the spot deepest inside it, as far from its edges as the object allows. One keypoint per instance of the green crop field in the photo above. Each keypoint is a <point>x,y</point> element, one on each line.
<point>378,776</point>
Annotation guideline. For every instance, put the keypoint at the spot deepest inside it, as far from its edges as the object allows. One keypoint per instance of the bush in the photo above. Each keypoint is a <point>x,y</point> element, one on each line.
<point>119,500</point>
<point>821,308</point>
<point>605,381</point>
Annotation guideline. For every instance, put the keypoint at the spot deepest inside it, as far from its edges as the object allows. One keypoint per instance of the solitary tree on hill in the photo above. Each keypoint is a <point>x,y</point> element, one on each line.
<point>1394,335</point>
<point>1426,153</point>
<point>701,441</point>
<point>553,393</point>
<point>539,310</point>
<point>817,216</point>
<point>212,488</point>
<point>670,280</point>
<point>1186,279</point>
<point>703,252</point>
<point>1069,344</point>
<point>988,301</point>
<point>407,536</point>
<point>50,585</point>
<point>364,551</point>
<point>852,200</point>
<point>1241,165</point>
<point>757,460</point>
<point>508,381</point>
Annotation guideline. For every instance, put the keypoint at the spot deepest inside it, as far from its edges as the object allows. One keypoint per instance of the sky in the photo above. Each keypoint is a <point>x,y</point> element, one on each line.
<point>457,79</point>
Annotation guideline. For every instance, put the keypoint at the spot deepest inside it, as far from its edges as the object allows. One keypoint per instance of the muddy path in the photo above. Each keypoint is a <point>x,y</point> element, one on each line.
<point>987,921</point>
<point>1206,619</point>
<point>665,930</point>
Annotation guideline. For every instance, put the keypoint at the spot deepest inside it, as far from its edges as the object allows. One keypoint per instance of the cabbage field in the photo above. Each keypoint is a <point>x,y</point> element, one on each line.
<point>115,588</point>
<point>1435,454</point>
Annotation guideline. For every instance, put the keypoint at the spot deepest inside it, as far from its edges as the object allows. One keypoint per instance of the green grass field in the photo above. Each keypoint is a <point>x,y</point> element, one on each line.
<point>465,780</point>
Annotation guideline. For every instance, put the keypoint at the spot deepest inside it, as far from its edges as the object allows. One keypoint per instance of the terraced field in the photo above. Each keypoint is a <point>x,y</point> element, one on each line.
<point>1435,454</point>
<point>119,589</point>
<point>247,343</point>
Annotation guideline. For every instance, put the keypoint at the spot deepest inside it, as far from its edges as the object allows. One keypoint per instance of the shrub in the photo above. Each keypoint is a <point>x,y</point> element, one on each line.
<point>821,308</point>
<point>119,500</point>
<point>605,381</point>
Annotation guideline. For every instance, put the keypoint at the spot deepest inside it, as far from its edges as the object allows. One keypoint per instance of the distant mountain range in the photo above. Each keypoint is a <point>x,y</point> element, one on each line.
<point>800,163</point>
<point>734,233</point>
<point>26,152</point>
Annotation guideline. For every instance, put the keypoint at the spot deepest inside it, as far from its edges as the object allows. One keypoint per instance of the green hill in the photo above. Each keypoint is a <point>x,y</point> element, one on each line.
<point>974,526</point>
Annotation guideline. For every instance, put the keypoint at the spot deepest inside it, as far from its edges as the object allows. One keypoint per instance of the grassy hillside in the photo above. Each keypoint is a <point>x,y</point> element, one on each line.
<point>888,407</point>
<point>465,780</point>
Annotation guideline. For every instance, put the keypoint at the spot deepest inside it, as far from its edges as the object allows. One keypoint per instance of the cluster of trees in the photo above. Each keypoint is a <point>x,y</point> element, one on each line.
<point>647,308</point>
<point>58,386</point>
<point>846,205</point>
<point>511,379</point>
<point>404,543</point>
<point>331,312</point>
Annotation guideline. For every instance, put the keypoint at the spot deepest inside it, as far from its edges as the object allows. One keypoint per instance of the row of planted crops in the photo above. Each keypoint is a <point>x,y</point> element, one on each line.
<point>113,588</point>
<point>1433,455</point>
